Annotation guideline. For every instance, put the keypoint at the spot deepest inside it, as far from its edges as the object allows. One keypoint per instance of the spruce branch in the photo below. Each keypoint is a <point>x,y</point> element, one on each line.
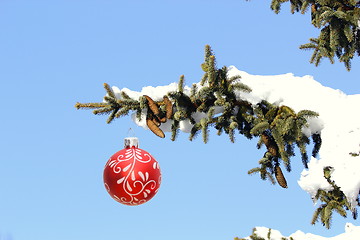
<point>194,131</point>
<point>91,105</point>
<point>109,91</point>
<point>266,168</point>
<point>260,127</point>
<point>333,200</point>
<point>103,110</point>
<point>174,129</point>
<point>181,84</point>
<point>317,144</point>
<point>216,102</point>
<point>338,22</point>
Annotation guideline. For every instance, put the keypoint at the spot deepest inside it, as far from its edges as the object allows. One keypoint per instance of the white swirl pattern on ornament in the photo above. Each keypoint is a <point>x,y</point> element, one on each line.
<point>113,164</point>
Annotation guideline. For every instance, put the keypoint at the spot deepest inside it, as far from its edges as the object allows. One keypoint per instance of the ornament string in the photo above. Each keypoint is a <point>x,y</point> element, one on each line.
<point>131,133</point>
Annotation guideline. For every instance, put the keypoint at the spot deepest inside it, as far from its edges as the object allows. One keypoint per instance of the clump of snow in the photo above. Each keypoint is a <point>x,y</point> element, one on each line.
<point>313,180</point>
<point>338,123</point>
<point>156,93</point>
<point>351,233</point>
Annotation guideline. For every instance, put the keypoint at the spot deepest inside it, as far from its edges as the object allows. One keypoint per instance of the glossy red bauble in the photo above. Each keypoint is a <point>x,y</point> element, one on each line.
<point>132,176</point>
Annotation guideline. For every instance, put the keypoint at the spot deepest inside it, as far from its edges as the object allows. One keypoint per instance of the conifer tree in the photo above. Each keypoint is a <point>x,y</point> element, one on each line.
<point>278,128</point>
<point>338,21</point>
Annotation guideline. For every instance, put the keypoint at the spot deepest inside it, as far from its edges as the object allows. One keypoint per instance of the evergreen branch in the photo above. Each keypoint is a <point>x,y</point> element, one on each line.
<point>307,113</point>
<point>109,90</point>
<point>289,126</point>
<point>304,7</point>
<point>326,215</point>
<point>139,114</point>
<point>279,140</point>
<point>181,84</point>
<point>259,128</point>
<point>194,131</point>
<point>333,200</point>
<point>269,234</point>
<point>104,110</point>
<point>174,130</point>
<point>317,144</point>
<point>304,156</point>
<point>266,169</point>
<point>111,116</point>
<point>193,92</point>
<point>289,148</point>
<point>335,206</point>
<point>271,113</point>
<point>124,95</point>
<point>276,5</point>
<point>254,170</point>
<point>339,25</point>
<point>112,101</point>
<point>122,112</point>
<point>234,78</point>
<point>278,127</point>
<point>316,215</point>
<point>233,125</point>
<point>204,129</point>
<point>91,105</point>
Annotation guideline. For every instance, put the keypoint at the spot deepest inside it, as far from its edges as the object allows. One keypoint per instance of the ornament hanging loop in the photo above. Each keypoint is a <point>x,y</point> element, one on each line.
<point>131,133</point>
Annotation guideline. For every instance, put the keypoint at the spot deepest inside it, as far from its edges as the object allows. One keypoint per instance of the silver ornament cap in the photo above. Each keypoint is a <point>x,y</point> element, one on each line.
<point>131,142</point>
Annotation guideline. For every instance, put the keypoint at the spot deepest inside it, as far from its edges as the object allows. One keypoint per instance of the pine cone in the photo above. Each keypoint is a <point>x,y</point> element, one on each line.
<point>280,177</point>
<point>155,110</point>
<point>270,144</point>
<point>152,105</point>
<point>154,128</point>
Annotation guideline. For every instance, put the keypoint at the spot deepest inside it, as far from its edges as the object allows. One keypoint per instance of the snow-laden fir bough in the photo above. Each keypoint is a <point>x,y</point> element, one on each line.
<point>217,102</point>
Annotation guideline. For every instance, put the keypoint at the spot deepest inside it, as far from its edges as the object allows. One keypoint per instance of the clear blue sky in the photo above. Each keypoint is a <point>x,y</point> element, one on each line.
<point>56,53</point>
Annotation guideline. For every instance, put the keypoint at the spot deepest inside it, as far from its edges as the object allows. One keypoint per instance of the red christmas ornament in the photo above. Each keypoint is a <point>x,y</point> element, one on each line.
<point>132,176</point>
